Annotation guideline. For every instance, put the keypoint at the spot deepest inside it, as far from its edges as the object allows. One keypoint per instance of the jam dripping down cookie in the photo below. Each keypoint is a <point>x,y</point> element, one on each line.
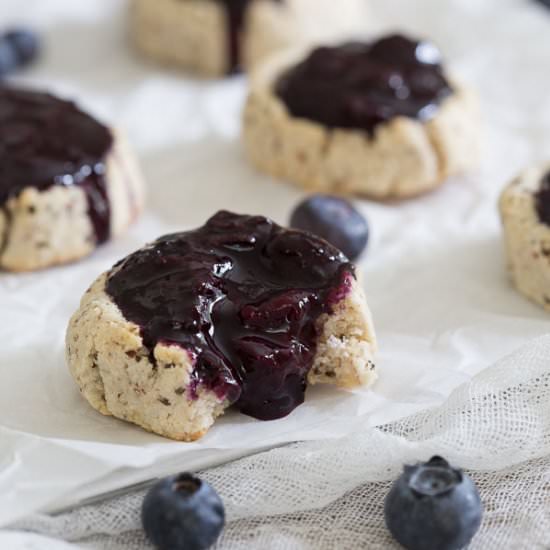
<point>46,141</point>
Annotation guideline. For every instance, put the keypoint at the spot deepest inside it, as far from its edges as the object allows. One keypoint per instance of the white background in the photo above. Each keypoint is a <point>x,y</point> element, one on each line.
<point>435,271</point>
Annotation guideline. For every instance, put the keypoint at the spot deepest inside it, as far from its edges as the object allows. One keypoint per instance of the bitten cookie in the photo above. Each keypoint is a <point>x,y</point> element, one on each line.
<point>239,312</point>
<point>525,212</point>
<point>217,37</point>
<point>67,183</point>
<point>378,119</point>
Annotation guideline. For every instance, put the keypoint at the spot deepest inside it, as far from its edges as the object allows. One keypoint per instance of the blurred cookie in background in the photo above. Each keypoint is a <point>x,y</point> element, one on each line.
<point>380,119</point>
<point>67,182</point>
<point>214,38</point>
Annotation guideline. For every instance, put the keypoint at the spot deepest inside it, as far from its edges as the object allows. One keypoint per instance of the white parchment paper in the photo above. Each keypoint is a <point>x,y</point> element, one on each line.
<point>435,272</point>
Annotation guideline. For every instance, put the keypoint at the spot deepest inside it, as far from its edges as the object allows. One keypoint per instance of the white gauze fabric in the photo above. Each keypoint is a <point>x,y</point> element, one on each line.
<point>329,495</point>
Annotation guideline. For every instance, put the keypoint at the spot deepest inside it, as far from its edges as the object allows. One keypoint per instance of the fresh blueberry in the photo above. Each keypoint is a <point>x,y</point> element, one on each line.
<point>433,506</point>
<point>335,220</point>
<point>25,44</point>
<point>8,57</point>
<point>182,513</point>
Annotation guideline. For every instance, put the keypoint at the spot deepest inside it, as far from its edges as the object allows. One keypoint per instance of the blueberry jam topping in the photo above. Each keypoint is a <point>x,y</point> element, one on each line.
<point>45,141</point>
<point>360,86</point>
<point>542,200</point>
<point>236,16</point>
<point>242,295</point>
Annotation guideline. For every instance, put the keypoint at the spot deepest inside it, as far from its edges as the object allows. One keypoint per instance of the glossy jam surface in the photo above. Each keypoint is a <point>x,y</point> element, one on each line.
<point>236,17</point>
<point>542,200</point>
<point>360,86</point>
<point>242,295</point>
<point>46,141</point>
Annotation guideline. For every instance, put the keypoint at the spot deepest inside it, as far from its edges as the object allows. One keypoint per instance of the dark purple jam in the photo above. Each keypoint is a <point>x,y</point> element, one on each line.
<point>46,141</point>
<point>360,86</point>
<point>242,295</point>
<point>236,18</point>
<point>542,200</point>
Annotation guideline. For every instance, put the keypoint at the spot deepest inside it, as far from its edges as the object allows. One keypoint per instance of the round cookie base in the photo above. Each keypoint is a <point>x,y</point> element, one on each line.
<point>405,157</point>
<point>44,228</point>
<point>115,373</point>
